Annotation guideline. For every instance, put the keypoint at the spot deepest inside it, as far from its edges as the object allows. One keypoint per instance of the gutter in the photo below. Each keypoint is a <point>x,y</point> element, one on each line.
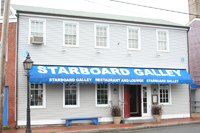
<point>16,71</point>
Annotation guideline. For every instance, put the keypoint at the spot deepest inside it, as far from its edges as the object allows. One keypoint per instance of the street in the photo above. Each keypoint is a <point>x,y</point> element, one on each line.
<point>191,128</point>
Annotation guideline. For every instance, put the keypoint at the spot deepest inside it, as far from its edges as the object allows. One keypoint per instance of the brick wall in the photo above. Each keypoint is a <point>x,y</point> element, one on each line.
<point>10,72</point>
<point>194,43</point>
<point>194,8</point>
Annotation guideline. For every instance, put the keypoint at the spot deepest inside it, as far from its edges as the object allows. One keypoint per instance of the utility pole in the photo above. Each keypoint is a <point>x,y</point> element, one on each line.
<point>4,45</point>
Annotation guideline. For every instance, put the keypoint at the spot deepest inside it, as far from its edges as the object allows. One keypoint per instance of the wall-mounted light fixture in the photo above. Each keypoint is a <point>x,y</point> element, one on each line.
<point>129,53</point>
<point>115,91</point>
<point>64,49</point>
<point>158,54</point>
<point>154,90</point>
<point>98,51</point>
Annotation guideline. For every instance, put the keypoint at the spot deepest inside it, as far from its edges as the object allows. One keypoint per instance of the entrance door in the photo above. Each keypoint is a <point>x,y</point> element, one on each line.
<point>135,100</point>
<point>132,100</point>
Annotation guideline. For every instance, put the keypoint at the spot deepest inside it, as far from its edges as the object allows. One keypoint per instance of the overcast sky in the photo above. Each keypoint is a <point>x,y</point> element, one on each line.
<point>108,6</point>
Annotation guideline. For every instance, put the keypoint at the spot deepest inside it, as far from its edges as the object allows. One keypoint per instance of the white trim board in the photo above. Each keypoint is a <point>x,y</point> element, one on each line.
<point>173,116</point>
<point>51,122</point>
<point>125,66</point>
<point>11,20</point>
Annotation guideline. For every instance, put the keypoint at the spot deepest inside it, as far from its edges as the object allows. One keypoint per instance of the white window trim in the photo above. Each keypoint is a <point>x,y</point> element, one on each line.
<point>44,97</point>
<point>44,29</point>
<point>167,40</point>
<point>108,40</point>
<point>77,34</point>
<point>77,97</point>
<point>109,97</point>
<point>139,38</point>
<point>170,98</point>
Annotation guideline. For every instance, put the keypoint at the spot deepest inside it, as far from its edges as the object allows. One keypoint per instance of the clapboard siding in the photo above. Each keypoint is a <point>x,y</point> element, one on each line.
<point>85,54</point>
<point>180,100</point>
<point>116,55</point>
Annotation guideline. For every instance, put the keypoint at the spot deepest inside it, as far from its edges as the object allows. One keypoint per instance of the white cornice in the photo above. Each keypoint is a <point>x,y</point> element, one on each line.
<point>103,21</point>
<point>12,19</point>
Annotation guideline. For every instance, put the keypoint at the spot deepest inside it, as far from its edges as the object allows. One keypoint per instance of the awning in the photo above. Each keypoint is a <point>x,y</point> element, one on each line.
<point>194,86</point>
<point>76,74</point>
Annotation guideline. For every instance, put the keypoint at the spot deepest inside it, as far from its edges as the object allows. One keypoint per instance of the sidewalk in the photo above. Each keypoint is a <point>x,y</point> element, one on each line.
<point>106,127</point>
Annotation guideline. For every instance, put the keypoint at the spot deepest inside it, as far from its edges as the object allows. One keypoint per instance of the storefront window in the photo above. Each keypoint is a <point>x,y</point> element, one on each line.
<point>70,94</point>
<point>164,93</point>
<point>102,94</point>
<point>37,94</point>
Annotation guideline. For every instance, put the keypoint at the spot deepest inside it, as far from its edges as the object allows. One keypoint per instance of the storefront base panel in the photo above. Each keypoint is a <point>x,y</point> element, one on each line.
<point>61,122</point>
<point>138,118</point>
<point>174,116</point>
<point>101,120</point>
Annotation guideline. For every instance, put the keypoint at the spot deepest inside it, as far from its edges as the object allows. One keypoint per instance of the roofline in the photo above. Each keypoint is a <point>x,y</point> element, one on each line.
<point>53,14</point>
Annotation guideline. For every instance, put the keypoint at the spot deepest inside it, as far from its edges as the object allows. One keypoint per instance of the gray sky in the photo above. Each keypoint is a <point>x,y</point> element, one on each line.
<point>107,6</point>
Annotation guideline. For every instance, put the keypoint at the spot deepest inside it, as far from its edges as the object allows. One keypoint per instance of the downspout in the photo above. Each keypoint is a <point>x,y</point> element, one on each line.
<point>16,78</point>
<point>188,50</point>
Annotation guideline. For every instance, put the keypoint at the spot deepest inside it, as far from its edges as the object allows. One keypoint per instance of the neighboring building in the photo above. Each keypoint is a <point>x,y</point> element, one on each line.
<point>194,8</point>
<point>9,108</point>
<point>84,60</point>
<point>194,54</point>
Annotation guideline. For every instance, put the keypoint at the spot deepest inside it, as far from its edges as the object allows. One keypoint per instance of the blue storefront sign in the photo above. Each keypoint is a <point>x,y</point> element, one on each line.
<point>74,74</point>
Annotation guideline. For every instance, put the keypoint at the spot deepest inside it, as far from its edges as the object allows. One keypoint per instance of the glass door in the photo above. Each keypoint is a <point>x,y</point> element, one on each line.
<point>146,100</point>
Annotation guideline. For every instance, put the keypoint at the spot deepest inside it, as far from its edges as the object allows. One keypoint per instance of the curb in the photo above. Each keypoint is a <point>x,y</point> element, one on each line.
<point>130,128</point>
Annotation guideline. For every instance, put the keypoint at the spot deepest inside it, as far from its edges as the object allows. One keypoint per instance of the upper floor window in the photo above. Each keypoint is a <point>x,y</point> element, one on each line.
<point>37,31</point>
<point>70,95</point>
<point>133,38</point>
<point>38,95</point>
<point>162,40</point>
<point>101,36</point>
<point>71,34</point>
<point>165,92</point>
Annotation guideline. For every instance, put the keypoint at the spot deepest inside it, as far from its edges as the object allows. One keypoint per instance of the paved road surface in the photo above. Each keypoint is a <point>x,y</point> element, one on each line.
<point>192,128</point>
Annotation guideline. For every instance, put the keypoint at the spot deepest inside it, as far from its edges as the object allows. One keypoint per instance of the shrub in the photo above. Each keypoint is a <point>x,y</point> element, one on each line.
<point>156,110</point>
<point>116,111</point>
<point>7,127</point>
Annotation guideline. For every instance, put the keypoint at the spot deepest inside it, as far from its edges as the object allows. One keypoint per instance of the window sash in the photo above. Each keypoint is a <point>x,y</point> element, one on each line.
<point>133,38</point>
<point>102,94</point>
<point>164,93</point>
<point>37,95</point>
<point>37,28</point>
<point>70,94</point>
<point>101,36</point>
<point>162,40</point>
<point>70,34</point>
